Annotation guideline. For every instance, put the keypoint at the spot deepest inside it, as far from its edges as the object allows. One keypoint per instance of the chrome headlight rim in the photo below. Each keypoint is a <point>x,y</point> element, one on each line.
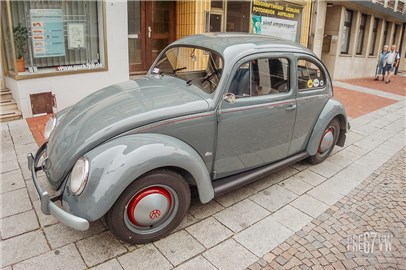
<point>49,127</point>
<point>79,176</point>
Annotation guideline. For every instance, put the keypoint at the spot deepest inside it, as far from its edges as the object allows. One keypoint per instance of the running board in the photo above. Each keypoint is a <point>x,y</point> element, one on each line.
<point>224,185</point>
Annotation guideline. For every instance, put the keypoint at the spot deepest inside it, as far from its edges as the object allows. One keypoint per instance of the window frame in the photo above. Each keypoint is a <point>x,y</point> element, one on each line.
<point>395,32</point>
<point>361,34</point>
<point>348,26</point>
<point>50,71</point>
<point>374,36</point>
<point>322,69</point>
<point>267,57</point>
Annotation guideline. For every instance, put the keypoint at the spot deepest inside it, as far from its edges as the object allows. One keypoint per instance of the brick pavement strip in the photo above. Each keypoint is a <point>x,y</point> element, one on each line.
<point>370,232</point>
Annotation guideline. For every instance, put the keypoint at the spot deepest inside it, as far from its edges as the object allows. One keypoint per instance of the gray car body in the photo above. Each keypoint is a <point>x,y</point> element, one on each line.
<point>128,129</point>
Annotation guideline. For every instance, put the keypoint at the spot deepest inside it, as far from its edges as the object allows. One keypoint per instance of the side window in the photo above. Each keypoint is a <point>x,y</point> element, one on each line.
<point>309,75</point>
<point>263,76</point>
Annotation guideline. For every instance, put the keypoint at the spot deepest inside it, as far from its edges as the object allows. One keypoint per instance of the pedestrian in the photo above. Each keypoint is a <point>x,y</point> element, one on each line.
<point>380,66</point>
<point>391,62</point>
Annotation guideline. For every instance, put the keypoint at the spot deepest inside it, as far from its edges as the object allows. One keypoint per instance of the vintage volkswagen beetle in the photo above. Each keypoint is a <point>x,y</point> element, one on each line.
<point>215,111</point>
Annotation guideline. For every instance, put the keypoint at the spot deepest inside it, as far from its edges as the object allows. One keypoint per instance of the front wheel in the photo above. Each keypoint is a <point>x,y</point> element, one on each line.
<point>149,208</point>
<point>327,142</point>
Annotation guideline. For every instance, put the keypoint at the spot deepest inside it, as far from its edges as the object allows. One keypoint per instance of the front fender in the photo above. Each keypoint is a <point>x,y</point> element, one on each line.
<point>332,109</point>
<point>117,163</point>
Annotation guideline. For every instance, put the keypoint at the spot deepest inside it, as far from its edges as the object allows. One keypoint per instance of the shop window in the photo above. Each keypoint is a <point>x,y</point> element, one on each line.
<point>361,34</point>
<point>374,36</point>
<point>230,16</point>
<point>264,76</point>
<point>216,22</point>
<point>61,37</point>
<point>238,14</point>
<point>345,40</point>
<point>309,76</point>
<point>277,18</point>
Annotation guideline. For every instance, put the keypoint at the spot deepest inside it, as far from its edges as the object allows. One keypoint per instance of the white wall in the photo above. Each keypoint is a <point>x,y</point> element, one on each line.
<point>347,67</point>
<point>69,89</point>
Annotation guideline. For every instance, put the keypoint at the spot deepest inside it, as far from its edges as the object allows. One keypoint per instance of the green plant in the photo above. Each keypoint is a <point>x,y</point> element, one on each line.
<point>20,40</point>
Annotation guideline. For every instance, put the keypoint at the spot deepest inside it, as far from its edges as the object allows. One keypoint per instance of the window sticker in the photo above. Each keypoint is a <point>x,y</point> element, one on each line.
<point>155,70</point>
<point>316,82</point>
<point>321,82</point>
<point>309,83</point>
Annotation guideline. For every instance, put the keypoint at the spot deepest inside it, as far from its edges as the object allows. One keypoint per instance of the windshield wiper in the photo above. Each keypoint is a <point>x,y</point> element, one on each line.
<point>179,69</point>
<point>204,79</point>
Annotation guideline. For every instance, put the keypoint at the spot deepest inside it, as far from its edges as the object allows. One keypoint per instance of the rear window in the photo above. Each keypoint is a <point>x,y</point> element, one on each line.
<point>309,75</point>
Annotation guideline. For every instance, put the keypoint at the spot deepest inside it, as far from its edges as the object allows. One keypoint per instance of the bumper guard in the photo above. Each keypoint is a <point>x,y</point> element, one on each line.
<point>48,207</point>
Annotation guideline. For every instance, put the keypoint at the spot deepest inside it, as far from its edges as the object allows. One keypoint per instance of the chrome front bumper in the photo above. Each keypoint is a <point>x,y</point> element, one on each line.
<point>48,207</point>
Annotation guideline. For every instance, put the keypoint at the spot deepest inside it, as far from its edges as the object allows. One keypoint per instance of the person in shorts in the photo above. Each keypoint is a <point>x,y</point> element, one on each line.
<point>381,61</point>
<point>391,62</point>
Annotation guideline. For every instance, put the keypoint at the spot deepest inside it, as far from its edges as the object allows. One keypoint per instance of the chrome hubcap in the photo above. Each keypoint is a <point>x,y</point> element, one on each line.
<point>149,206</point>
<point>151,209</point>
<point>326,141</point>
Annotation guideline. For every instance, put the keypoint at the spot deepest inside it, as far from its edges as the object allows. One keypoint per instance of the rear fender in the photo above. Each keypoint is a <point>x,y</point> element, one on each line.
<point>332,109</point>
<point>117,163</point>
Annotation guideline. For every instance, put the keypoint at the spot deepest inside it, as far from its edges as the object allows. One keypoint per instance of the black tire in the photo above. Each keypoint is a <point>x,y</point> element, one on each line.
<point>122,222</point>
<point>320,156</point>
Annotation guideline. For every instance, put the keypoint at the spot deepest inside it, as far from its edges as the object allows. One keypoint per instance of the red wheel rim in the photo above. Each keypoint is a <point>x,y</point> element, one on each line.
<point>328,131</point>
<point>152,213</point>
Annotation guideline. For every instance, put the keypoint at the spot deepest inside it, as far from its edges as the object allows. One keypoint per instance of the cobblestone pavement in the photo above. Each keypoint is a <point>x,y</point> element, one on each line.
<point>364,230</point>
<point>233,231</point>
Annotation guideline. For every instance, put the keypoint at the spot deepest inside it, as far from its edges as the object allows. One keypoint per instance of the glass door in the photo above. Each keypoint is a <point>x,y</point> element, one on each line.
<point>151,27</point>
<point>136,35</point>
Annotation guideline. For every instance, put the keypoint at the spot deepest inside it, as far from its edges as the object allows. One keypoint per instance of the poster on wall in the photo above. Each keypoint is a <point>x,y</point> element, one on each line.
<point>276,19</point>
<point>47,32</point>
<point>76,36</point>
<point>275,27</point>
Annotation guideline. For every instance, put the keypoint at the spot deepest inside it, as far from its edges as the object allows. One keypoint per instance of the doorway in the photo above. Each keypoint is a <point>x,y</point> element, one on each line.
<point>151,27</point>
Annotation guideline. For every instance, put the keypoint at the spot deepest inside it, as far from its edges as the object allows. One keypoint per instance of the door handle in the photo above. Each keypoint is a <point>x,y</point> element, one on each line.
<point>291,107</point>
<point>149,31</point>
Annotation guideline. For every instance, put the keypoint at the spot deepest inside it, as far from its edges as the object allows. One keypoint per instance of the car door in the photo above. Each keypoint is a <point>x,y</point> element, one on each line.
<point>256,128</point>
<point>314,89</point>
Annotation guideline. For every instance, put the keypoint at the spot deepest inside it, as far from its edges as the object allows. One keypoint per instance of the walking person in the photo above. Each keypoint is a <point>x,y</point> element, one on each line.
<point>391,62</point>
<point>381,60</point>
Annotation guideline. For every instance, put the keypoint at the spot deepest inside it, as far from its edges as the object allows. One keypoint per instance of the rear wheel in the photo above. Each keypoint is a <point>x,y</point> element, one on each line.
<point>327,142</point>
<point>149,208</point>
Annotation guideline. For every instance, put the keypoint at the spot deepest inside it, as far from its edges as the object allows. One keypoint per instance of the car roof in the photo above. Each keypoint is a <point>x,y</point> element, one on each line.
<point>232,43</point>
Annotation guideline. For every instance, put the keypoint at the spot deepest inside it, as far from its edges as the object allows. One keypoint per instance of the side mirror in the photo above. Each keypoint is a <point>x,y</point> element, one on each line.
<point>229,97</point>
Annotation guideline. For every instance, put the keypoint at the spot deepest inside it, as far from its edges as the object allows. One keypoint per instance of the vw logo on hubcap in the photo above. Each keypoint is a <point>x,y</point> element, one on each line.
<point>155,214</point>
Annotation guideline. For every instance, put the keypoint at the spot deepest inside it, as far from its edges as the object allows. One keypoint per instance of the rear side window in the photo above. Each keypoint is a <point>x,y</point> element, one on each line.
<point>309,75</point>
<point>262,76</point>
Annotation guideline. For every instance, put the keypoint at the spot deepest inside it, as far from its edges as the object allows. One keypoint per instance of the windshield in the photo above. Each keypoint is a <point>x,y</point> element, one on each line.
<point>195,66</point>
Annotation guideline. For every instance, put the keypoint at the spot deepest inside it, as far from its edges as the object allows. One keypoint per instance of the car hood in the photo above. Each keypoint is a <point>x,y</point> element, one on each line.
<point>112,111</point>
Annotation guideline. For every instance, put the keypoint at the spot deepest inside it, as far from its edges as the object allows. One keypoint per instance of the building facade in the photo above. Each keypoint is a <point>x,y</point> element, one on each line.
<point>349,35</point>
<point>72,48</point>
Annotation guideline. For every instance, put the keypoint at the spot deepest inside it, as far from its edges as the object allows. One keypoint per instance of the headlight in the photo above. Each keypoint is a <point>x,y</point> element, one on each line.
<point>49,127</point>
<point>79,175</point>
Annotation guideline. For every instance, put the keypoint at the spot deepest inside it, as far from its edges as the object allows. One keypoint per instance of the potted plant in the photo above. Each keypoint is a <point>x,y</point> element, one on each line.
<point>20,42</point>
